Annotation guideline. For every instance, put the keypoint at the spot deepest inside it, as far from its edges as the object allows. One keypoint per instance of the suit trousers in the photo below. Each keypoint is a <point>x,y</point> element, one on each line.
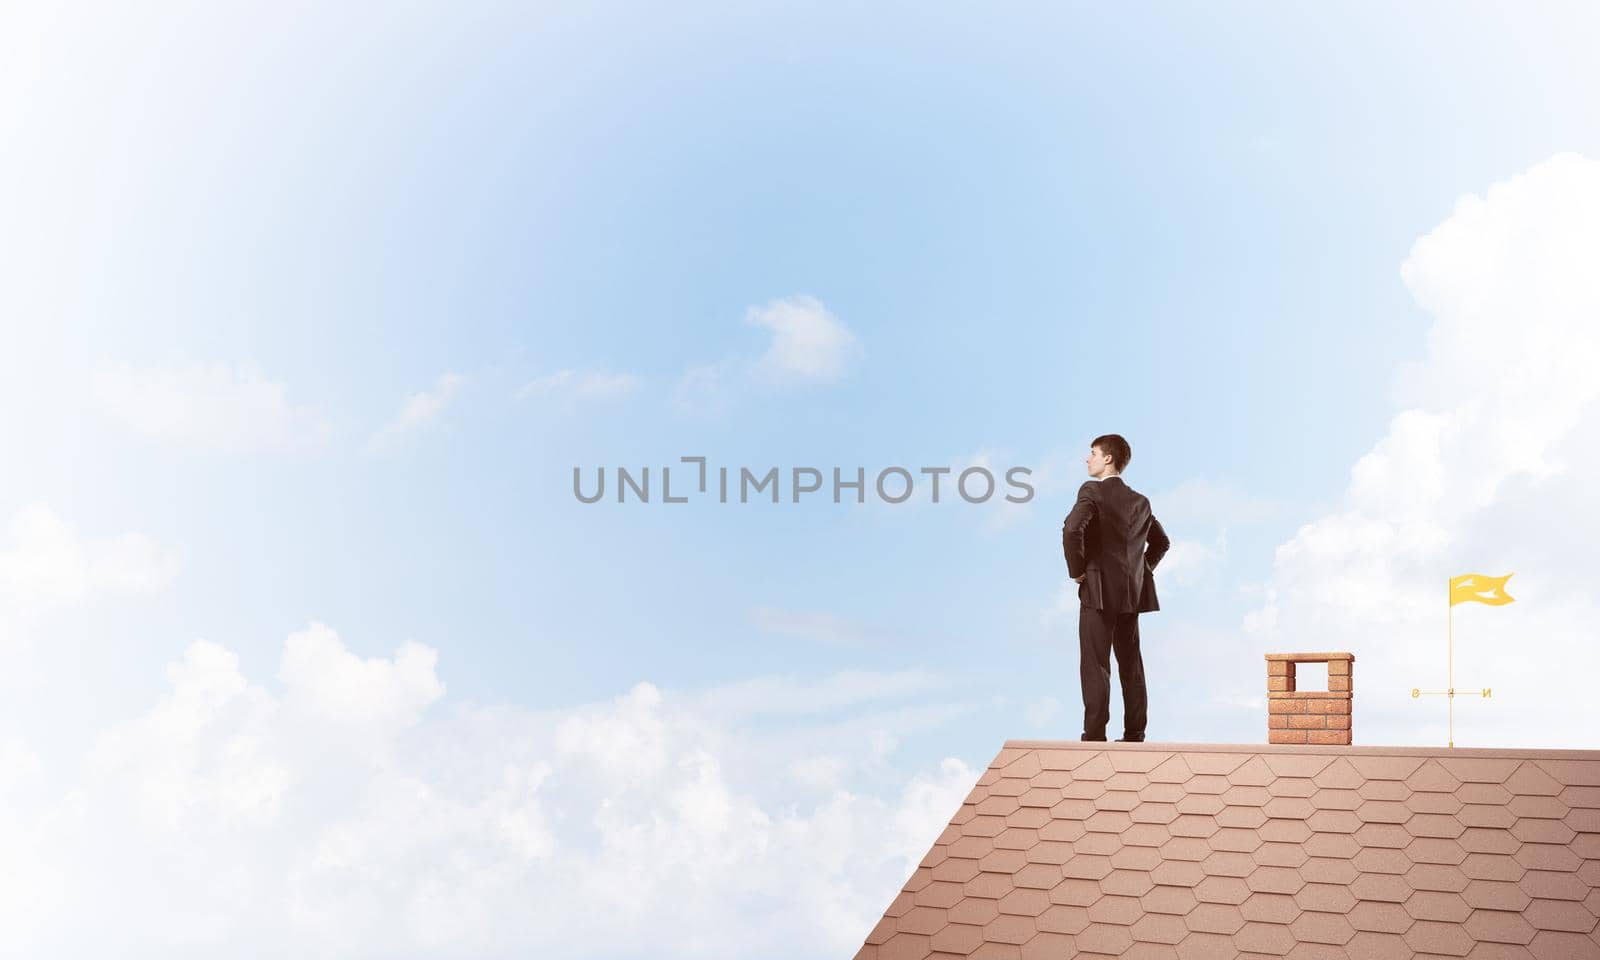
<point>1099,633</point>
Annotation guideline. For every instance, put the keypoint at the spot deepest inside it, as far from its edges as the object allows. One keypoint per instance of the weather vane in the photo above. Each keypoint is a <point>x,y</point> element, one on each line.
<point>1479,589</point>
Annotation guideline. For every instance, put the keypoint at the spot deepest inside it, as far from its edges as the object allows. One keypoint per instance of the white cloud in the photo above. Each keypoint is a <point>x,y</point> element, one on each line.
<point>1489,470</point>
<point>214,406</point>
<point>202,756</point>
<point>808,341</point>
<point>352,811</point>
<point>46,564</point>
<point>584,385</point>
<point>332,683</point>
<point>1191,562</point>
<point>809,345</point>
<point>1263,620</point>
<point>416,414</point>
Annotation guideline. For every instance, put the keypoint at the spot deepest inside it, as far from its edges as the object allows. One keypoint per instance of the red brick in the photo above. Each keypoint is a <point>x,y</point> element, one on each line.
<point>1284,706</point>
<point>1337,737</point>
<point>1301,721</point>
<point>1280,683</point>
<point>1338,723</point>
<point>1338,668</point>
<point>1287,736</point>
<point>1279,668</point>
<point>1338,683</point>
<point>1277,721</point>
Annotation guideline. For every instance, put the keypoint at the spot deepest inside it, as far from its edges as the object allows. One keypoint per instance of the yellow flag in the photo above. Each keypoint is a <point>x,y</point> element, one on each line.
<point>1480,589</point>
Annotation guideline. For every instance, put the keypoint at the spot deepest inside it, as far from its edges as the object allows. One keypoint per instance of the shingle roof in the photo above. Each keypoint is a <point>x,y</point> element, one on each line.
<point>1196,851</point>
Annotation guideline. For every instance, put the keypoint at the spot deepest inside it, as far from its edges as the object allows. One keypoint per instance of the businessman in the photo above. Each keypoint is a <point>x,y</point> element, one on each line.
<point>1112,544</point>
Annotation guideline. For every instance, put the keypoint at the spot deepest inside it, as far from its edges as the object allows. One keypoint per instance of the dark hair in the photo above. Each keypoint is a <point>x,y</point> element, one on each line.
<point>1113,444</point>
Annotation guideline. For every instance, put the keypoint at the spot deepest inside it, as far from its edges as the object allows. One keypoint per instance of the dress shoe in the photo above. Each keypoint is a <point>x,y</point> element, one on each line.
<point>1097,739</point>
<point>1130,739</point>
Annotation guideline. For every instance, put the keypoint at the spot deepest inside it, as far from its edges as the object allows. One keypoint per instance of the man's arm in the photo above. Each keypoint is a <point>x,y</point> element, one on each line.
<point>1156,544</point>
<point>1075,532</point>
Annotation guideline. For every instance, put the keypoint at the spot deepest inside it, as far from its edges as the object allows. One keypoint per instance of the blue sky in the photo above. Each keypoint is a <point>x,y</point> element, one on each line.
<point>244,243</point>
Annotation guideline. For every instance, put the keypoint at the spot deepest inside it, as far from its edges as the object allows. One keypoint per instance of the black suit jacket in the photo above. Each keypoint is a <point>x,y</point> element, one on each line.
<point>1114,542</point>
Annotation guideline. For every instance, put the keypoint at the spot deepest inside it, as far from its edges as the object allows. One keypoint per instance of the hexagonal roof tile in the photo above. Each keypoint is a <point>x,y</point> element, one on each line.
<point>1143,851</point>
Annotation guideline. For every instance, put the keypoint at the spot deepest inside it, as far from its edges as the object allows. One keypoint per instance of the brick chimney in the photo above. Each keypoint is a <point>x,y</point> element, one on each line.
<point>1308,716</point>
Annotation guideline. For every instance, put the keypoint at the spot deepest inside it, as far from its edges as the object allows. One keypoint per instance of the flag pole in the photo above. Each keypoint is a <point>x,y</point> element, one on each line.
<point>1450,654</point>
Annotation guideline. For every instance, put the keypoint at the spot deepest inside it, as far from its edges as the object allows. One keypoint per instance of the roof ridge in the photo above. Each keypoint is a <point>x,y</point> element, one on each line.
<point>1528,753</point>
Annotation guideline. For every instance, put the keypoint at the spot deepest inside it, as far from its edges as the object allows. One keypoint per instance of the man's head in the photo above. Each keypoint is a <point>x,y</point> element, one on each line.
<point>1108,456</point>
